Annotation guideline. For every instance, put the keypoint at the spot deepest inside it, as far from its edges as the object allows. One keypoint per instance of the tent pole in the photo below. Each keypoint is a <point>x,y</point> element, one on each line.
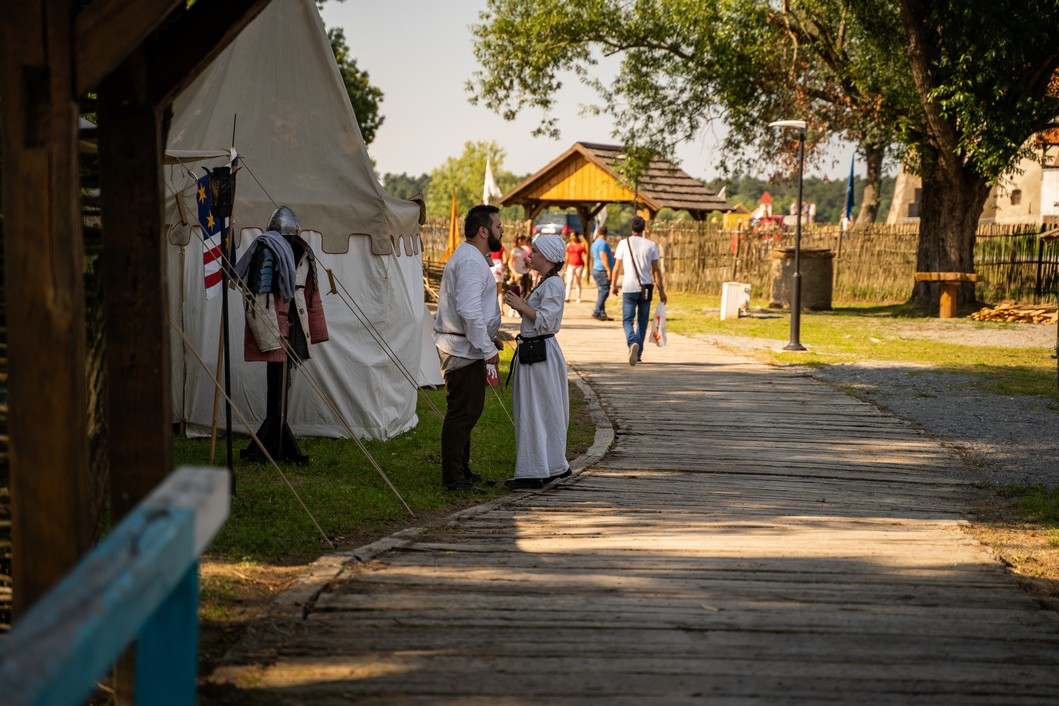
<point>227,262</point>
<point>217,392</point>
<point>227,351</point>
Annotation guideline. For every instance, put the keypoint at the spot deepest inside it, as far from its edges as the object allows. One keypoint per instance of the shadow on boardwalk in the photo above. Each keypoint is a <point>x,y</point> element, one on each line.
<point>751,536</point>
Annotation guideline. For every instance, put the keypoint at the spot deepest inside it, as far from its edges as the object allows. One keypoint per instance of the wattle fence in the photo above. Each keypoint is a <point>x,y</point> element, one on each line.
<point>871,264</point>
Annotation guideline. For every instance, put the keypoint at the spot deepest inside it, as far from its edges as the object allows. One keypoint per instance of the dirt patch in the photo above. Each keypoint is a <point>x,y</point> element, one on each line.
<point>966,332</point>
<point>233,596</point>
<point>1029,550</point>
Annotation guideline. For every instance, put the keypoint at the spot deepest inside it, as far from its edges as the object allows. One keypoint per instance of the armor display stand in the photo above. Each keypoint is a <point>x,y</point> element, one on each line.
<point>280,274</point>
<point>275,434</point>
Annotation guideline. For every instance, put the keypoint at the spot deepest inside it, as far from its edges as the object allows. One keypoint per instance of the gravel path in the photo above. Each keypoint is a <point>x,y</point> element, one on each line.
<point>1006,440</point>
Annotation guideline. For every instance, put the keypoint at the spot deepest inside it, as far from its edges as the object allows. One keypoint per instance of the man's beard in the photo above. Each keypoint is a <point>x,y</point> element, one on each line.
<point>494,244</point>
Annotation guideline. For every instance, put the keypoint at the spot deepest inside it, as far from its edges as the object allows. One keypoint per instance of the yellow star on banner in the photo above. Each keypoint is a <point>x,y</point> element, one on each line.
<point>202,193</point>
<point>210,222</point>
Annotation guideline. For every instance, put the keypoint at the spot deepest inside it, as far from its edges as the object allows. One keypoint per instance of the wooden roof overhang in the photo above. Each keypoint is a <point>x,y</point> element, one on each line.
<point>53,53</point>
<point>586,178</point>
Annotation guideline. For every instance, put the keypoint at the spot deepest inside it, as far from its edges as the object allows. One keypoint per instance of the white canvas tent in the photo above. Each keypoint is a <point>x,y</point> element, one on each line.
<point>299,145</point>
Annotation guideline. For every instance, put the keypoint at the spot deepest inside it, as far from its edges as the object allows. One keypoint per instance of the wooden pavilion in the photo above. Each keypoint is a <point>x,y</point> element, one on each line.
<point>54,53</point>
<point>586,178</point>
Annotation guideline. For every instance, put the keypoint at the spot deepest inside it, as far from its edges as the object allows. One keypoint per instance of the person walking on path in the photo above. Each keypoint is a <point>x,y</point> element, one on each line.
<point>602,266</point>
<point>539,394</point>
<point>636,268</point>
<point>518,261</point>
<point>465,330</point>
<point>575,265</point>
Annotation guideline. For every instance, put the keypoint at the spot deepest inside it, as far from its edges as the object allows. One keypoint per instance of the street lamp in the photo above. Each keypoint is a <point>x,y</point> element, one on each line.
<point>796,295</point>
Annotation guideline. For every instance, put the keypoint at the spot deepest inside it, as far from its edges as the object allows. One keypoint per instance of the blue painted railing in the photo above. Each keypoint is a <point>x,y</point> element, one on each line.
<point>140,583</point>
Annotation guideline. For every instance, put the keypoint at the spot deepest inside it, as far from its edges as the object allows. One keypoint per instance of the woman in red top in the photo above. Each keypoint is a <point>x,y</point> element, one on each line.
<point>575,265</point>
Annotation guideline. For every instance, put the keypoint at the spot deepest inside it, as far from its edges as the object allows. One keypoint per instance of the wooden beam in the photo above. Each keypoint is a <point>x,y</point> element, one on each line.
<point>201,33</point>
<point>532,211</point>
<point>107,31</point>
<point>136,310</point>
<point>44,270</point>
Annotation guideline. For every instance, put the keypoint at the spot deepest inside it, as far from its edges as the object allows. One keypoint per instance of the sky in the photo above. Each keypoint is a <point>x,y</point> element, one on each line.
<point>420,54</point>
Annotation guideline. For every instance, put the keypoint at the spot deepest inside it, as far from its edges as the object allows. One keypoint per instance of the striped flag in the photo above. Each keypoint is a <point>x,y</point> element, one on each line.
<point>212,232</point>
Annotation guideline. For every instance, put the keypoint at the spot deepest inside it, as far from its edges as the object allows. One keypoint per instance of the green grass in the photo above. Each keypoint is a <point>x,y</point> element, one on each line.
<point>1037,505</point>
<point>346,495</point>
<point>878,333</point>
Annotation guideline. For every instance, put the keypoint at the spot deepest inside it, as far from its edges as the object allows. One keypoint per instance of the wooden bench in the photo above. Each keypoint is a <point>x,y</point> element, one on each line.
<point>950,283</point>
<point>142,583</point>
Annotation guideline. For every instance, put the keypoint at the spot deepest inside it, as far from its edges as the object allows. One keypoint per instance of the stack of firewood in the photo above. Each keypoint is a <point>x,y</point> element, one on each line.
<point>1018,313</point>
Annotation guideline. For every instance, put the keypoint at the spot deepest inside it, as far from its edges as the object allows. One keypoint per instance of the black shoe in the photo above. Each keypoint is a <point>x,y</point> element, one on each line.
<point>473,477</point>
<point>559,476</point>
<point>463,487</point>
<point>525,483</point>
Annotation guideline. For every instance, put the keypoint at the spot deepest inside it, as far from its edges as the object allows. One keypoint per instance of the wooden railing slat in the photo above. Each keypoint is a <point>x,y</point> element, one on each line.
<point>140,581</point>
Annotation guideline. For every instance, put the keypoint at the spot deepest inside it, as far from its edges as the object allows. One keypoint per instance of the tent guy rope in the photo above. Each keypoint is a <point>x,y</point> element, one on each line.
<point>242,419</point>
<point>313,382</point>
<point>351,303</point>
<point>323,396</point>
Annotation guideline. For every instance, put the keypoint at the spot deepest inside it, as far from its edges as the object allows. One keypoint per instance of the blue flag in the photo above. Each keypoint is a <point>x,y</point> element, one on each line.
<point>847,211</point>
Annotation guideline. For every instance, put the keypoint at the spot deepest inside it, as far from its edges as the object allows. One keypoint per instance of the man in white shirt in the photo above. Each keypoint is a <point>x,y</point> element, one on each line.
<point>636,264</point>
<point>465,329</point>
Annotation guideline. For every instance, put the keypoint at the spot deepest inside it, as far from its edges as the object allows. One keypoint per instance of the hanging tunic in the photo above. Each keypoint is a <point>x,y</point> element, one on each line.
<point>270,317</point>
<point>540,396</point>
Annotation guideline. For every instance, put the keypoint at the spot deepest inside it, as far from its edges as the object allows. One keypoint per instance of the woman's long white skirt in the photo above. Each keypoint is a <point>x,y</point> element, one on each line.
<point>541,401</point>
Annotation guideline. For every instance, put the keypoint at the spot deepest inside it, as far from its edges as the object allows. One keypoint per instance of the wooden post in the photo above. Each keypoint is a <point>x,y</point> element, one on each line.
<point>135,302</point>
<point>44,263</point>
<point>130,162</point>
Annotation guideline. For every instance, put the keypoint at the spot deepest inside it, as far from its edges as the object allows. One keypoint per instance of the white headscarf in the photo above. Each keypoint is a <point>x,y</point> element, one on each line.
<point>551,247</point>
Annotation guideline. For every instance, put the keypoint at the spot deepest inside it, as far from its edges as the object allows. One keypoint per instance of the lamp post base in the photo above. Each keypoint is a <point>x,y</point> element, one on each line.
<point>795,339</point>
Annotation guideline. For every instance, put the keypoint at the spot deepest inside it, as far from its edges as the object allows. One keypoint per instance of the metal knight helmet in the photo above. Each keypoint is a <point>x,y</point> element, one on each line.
<point>284,222</point>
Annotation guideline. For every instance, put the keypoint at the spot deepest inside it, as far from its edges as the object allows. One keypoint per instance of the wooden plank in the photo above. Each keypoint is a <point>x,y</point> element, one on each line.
<point>706,558</point>
<point>44,261</point>
<point>108,31</point>
<point>137,337</point>
<point>948,277</point>
<point>202,32</point>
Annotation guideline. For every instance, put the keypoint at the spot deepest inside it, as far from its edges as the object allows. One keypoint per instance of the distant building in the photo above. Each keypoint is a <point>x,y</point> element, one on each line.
<point>764,206</point>
<point>1029,195</point>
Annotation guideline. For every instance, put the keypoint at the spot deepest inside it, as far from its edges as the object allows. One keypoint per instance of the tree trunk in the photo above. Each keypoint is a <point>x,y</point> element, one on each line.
<point>952,200</point>
<point>873,162</point>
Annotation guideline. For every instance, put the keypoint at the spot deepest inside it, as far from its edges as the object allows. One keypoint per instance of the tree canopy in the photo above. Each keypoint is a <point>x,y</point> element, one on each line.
<point>686,63</point>
<point>957,86</point>
<point>466,175</point>
<point>404,186</point>
<point>364,97</point>
<point>983,82</point>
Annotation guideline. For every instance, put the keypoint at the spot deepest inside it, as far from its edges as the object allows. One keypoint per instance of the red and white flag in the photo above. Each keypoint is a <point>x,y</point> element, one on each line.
<point>212,232</point>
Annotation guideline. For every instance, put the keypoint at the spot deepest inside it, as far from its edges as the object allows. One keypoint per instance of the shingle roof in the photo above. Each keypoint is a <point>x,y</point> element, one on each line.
<point>663,184</point>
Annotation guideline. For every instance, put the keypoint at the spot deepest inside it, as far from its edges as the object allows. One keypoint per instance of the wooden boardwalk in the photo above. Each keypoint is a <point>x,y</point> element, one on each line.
<point>752,536</point>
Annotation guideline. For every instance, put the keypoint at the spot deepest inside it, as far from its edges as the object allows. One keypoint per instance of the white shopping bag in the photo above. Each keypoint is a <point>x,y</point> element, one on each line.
<point>658,328</point>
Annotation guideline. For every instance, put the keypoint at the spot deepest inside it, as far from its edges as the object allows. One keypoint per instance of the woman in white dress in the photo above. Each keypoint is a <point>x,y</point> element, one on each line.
<point>540,396</point>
